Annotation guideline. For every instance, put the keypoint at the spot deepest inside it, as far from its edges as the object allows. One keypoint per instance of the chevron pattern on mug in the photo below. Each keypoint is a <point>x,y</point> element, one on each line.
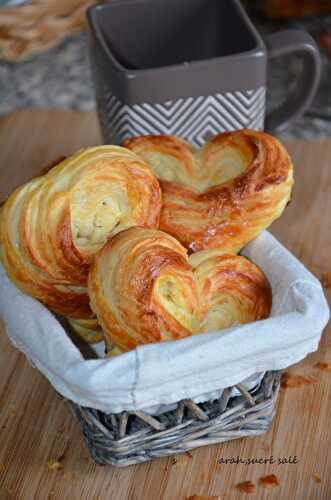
<point>194,118</point>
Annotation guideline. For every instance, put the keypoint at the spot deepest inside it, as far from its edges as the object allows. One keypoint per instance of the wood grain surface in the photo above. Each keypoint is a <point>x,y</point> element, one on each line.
<point>36,426</point>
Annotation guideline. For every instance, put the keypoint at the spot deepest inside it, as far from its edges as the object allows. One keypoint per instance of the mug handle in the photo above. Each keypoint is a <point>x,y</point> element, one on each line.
<point>287,42</point>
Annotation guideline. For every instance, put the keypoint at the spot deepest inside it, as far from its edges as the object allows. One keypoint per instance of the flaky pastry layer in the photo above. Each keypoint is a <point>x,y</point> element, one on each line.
<point>223,195</point>
<point>144,288</point>
<point>51,227</point>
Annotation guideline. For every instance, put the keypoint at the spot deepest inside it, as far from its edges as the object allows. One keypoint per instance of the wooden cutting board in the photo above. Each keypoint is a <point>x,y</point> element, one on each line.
<point>35,425</point>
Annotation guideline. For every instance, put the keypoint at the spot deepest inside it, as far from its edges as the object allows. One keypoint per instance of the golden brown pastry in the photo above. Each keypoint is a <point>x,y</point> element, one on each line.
<point>51,227</point>
<point>88,330</point>
<point>223,195</point>
<point>144,288</point>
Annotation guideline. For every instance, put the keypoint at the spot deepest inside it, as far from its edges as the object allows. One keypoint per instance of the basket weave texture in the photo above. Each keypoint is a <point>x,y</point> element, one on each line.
<point>129,438</point>
<point>38,25</point>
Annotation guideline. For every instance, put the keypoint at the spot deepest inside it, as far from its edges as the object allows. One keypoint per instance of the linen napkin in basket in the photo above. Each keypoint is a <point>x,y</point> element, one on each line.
<point>197,367</point>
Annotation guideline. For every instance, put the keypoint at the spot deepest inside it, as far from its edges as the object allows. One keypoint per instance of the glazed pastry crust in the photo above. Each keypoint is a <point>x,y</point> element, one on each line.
<point>144,288</point>
<point>223,195</point>
<point>51,227</point>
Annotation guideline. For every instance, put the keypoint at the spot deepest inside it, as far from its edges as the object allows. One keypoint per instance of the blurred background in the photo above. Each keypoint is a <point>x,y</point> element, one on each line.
<point>44,56</point>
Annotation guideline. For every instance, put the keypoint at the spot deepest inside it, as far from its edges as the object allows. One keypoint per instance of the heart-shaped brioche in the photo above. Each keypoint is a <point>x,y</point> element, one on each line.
<point>223,195</point>
<point>144,288</point>
<point>51,227</point>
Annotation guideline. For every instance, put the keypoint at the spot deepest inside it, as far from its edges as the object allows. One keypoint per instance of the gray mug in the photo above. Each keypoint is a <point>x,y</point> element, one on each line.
<point>191,68</point>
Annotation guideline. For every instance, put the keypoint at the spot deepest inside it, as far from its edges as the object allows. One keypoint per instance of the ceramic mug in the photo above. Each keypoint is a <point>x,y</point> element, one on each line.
<point>190,68</point>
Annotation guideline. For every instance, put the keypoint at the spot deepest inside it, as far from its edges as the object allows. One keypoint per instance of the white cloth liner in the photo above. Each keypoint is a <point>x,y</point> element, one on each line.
<point>197,367</point>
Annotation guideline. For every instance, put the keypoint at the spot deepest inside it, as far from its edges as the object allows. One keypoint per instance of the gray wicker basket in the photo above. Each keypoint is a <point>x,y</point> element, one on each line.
<point>129,438</point>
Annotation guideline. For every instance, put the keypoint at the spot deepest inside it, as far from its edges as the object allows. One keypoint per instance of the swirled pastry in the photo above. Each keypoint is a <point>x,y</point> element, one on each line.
<point>144,288</point>
<point>223,195</point>
<point>51,227</point>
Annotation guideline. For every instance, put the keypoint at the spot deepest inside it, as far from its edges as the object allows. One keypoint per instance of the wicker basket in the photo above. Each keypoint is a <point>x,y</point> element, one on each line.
<point>38,25</point>
<point>129,438</point>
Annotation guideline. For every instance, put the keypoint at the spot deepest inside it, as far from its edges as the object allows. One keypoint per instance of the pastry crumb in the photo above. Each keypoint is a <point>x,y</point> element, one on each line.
<point>317,478</point>
<point>326,367</point>
<point>246,487</point>
<point>54,464</point>
<point>270,481</point>
<point>296,381</point>
<point>325,280</point>
<point>181,460</point>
